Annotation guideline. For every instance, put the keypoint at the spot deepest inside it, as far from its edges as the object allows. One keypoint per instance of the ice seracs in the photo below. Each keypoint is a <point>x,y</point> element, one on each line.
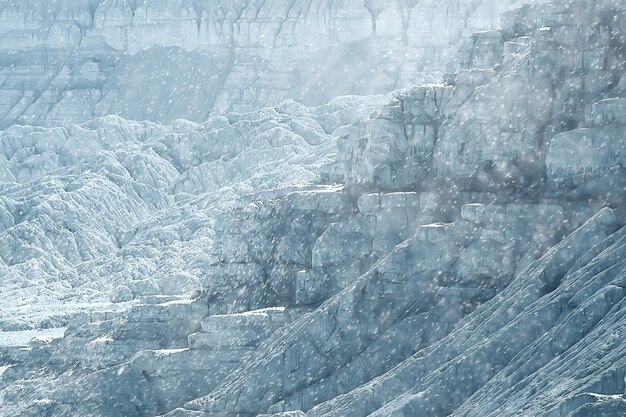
<point>117,199</point>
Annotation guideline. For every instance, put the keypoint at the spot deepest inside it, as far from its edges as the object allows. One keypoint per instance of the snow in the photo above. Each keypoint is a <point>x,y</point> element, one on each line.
<point>121,200</point>
<point>312,208</point>
<point>22,338</point>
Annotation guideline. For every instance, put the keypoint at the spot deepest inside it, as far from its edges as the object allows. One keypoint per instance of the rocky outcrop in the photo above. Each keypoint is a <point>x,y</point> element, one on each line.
<point>557,68</point>
<point>419,281</point>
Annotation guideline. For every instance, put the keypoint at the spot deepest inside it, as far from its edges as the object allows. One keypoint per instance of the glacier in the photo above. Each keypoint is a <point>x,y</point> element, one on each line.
<point>75,60</point>
<point>313,208</point>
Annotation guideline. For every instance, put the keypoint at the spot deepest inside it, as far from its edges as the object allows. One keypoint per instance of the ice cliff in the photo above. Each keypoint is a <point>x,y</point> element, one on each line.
<point>448,240</point>
<point>73,60</point>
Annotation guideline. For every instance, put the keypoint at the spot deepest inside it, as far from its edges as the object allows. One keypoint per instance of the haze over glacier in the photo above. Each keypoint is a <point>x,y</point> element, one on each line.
<point>68,61</point>
<point>312,208</point>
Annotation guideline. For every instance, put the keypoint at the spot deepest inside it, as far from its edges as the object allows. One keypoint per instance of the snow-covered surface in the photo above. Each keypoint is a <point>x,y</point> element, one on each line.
<point>113,208</point>
<point>22,338</point>
<point>454,247</point>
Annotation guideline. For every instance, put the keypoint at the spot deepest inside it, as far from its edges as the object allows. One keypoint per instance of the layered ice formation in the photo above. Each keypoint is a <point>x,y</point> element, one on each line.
<point>448,239</point>
<point>69,61</point>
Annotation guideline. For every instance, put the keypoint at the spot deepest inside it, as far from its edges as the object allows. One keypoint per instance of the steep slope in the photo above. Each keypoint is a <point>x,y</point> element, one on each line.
<point>490,346</point>
<point>557,68</point>
<point>426,138</point>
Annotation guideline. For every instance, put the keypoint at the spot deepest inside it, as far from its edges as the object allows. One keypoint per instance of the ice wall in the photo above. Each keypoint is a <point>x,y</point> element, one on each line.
<point>68,61</point>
